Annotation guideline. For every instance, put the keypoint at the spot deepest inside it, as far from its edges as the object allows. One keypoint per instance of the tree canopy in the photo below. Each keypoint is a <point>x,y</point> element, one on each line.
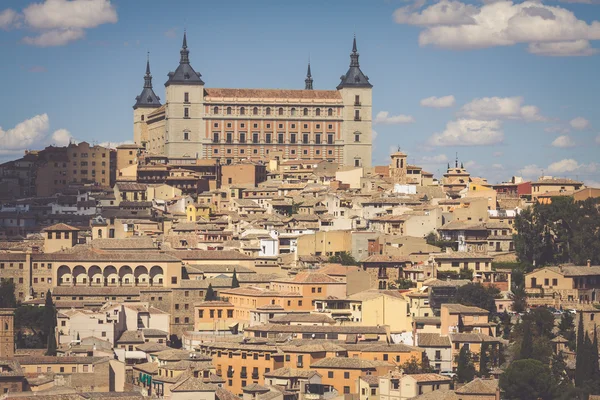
<point>7,294</point>
<point>562,231</point>
<point>234,281</point>
<point>527,380</point>
<point>343,258</point>
<point>475,294</point>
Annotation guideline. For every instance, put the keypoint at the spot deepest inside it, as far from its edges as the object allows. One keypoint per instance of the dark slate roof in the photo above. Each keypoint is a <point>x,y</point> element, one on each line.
<point>354,77</point>
<point>147,98</point>
<point>184,74</point>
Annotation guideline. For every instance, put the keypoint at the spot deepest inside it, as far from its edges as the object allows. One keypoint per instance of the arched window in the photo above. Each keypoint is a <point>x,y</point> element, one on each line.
<point>280,111</point>
<point>330,112</point>
<point>242,111</point>
<point>318,112</point>
<point>228,110</point>
<point>216,110</point>
<point>305,112</point>
<point>293,111</point>
<point>100,233</point>
<point>268,111</point>
<point>255,111</point>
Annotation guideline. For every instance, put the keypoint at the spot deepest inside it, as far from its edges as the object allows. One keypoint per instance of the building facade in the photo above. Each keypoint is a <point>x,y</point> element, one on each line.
<point>258,124</point>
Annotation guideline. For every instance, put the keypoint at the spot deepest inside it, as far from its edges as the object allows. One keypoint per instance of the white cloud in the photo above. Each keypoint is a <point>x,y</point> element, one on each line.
<point>568,165</point>
<point>438,102</point>
<point>471,164</point>
<point>563,142</point>
<point>557,129</point>
<point>31,133</point>
<point>8,19</point>
<point>498,154</point>
<point>374,134</point>
<point>531,171</point>
<point>576,48</point>
<point>497,166</point>
<point>469,132</point>
<point>58,22</point>
<point>579,123</point>
<point>598,139</point>
<point>384,117</point>
<point>61,137</point>
<point>549,30</point>
<point>501,107</point>
<point>114,145</point>
<point>438,159</point>
<point>55,37</point>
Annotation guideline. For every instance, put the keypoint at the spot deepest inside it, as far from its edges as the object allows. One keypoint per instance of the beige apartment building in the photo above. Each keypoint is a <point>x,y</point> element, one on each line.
<point>257,124</point>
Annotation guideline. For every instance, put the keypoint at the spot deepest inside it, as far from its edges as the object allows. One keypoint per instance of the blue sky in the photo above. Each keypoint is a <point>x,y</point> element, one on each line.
<point>524,87</point>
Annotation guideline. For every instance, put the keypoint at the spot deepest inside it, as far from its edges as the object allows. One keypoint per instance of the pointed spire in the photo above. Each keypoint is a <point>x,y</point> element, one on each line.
<point>148,77</point>
<point>184,51</point>
<point>308,82</point>
<point>354,55</point>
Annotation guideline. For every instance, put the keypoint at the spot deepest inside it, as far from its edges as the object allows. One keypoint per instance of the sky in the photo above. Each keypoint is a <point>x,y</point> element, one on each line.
<point>512,88</point>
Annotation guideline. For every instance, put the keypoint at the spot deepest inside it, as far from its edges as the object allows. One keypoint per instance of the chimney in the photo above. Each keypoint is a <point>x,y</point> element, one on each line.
<point>589,263</point>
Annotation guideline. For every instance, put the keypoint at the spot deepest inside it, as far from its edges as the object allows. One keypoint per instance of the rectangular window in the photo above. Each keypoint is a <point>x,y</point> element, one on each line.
<point>330,374</point>
<point>554,282</point>
<point>280,138</point>
<point>186,136</point>
<point>346,389</point>
<point>268,138</point>
<point>215,137</point>
<point>242,137</point>
<point>292,138</point>
<point>346,375</point>
<point>255,138</point>
<point>228,137</point>
<point>317,139</point>
<point>186,97</point>
<point>330,139</point>
<point>186,112</point>
<point>305,138</point>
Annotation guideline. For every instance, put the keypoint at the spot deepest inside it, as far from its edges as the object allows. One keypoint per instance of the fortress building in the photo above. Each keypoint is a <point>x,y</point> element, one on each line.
<point>257,124</point>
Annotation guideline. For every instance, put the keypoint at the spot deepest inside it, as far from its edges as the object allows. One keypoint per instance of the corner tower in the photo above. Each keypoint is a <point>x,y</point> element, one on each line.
<point>184,128</point>
<point>357,97</point>
<point>308,82</point>
<point>145,104</point>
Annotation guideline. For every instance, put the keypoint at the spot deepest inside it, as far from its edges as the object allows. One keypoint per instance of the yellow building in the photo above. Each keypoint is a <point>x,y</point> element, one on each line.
<point>548,185</point>
<point>59,237</point>
<point>197,211</point>
<point>325,243</point>
<point>258,124</point>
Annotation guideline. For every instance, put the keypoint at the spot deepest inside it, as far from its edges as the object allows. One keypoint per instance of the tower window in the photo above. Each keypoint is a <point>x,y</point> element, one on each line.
<point>305,112</point>
<point>142,117</point>
<point>357,115</point>
<point>293,111</point>
<point>228,110</point>
<point>357,137</point>
<point>280,111</point>
<point>318,112</point>
<point>357,162</point>
<point>216,110</point>
<point>242,111</point>
<point>357,100</point>
<point>330,112</point>
<point>186,136</point>
<point>186,97</point>
<point>268,111</point>
<point>255,111</point>
<point>186,112</point>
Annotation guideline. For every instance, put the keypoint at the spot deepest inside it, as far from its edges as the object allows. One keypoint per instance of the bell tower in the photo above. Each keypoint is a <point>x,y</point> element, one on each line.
<point>7,333</point>
<point>145,104</point>
<point>398,167</point>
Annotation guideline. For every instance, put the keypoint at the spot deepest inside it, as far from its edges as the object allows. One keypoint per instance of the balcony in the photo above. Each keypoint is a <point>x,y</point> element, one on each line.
<point>357,103</point>
<point>254,375</point>
<point>229,374</point>
<point>243,374</point>
<point>357,118</point>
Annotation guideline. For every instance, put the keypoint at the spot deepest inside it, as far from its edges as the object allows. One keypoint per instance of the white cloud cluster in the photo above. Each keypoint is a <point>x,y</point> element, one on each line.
<point>501,107</point>
<point>438,102</point>
<point>548,30</point>
<point>58,22</point>
<point>9,19</point>
<point>32,133</point>
<point>567,166</point>
<point>469,132</point>
<point>384,117</point>
<point>563,142</point>
<point>579,123</point>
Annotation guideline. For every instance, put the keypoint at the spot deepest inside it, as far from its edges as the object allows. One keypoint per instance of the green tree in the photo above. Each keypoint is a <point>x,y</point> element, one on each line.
<point>484,360</point>
<point>465,371</point>
<point>526,349</point>
<point>7,294</point>
<point>50,325</point>
<point>475,294</point>
<point>234,281</point>
<point>566,328</point>
<point>581,374</point>
<point>506,324</point>
<point>527,380</point>
<point>210,293</point>
<point>519,299</point>
<point>28,317</point>
<point>343,258</point>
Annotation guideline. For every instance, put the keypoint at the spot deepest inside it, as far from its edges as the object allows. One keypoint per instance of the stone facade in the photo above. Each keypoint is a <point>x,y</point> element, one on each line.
<point>7,333</point>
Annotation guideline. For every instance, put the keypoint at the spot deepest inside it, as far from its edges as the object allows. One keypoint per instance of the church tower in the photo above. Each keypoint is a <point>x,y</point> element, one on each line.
<point>145,104</point>
<point>7,333</point>
<point>184,128</point>
<point>357,97</point>
<point>398,167</point>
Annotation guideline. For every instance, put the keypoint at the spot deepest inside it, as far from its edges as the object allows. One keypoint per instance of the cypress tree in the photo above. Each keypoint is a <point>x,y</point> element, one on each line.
<point>526,350</point>
<point>50,324</point>
<point>465,370</point>
<point>234,281</point>
<point>210,293</point>
<point>580,355</point>
<point>484,361</point>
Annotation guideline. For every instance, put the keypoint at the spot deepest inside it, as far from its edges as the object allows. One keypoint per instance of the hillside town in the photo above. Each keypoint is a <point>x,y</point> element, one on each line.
<point>244,247</point>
